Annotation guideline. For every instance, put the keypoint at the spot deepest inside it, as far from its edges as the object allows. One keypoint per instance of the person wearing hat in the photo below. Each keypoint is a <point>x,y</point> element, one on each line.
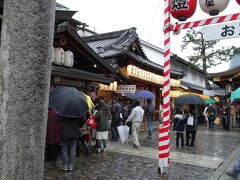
<point>149,112</point>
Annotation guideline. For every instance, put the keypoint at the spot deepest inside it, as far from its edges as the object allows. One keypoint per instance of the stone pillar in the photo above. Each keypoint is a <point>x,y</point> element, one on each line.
<point>26,44</point>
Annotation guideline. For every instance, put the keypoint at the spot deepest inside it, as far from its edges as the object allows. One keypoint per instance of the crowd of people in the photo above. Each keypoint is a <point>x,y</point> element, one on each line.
<point>66,134</point>
<point>186,118</point>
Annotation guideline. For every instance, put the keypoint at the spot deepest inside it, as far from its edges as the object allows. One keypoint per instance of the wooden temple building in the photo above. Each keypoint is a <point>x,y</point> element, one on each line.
<point>123,51</point>
<point>230,78</point>
<point>88,67</point>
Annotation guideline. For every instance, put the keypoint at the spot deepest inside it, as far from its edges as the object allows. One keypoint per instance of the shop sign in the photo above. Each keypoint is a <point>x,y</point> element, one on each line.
<point>126,88</point>
<point>136,72</point>
<point>111,87</point>
<point>222,31</point>
<point>176,94</point>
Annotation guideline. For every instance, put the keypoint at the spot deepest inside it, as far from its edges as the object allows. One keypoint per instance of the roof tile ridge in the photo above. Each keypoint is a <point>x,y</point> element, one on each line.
<point>107,35</point>
<point>128,37</point>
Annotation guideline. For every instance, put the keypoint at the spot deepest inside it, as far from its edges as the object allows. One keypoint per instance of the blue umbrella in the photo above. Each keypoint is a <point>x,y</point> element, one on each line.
<point>131,96</point>
<point>235,94</point>
<point>145,94</point>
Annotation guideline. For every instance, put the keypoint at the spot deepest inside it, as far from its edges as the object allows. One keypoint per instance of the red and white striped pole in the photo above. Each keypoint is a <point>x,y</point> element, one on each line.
<point>215,20</point>
<point>164,129</point>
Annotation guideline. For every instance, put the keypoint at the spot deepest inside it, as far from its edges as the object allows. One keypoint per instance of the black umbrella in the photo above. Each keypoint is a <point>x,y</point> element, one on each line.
<point>189,99</point>
<point>132,96</point>
<point>68,102</point>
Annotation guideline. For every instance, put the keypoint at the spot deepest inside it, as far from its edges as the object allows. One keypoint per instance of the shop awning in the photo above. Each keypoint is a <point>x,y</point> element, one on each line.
<point>80,74</point>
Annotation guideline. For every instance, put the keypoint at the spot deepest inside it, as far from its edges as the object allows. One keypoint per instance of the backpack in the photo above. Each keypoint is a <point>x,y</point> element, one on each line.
<point>150,112</point>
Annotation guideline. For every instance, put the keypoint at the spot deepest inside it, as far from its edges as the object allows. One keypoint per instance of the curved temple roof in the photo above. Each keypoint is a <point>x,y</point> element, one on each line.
<point>112,44</point>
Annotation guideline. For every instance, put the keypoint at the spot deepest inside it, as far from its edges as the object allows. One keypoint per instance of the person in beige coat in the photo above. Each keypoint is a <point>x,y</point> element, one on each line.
<point>233,116</point>
<point>136,117</point>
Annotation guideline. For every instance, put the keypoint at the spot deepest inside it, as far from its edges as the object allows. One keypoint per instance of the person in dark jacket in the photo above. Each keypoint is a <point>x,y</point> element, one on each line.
<point>149,112</point>
<point>52,136</point>
<point>116,119</point>
<point>226,116</point>
<point>211,113</point>
<point>179,126</point>
<point>69,137</point>
<point>102,117</point>
<point>191,129</point>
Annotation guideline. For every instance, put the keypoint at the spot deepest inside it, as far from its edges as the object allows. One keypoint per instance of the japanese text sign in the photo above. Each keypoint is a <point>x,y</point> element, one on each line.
<point>126,88</point>
<point>222,31</point>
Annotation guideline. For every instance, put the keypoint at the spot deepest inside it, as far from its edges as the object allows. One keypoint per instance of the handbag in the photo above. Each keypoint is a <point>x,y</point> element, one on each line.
<point>217,121</point>
<point>190,121</point>
<point>92,122</point>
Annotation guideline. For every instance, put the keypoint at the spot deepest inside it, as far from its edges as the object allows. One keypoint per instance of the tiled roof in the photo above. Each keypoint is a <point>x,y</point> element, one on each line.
<point>58,6</point>
<point>112,44</point>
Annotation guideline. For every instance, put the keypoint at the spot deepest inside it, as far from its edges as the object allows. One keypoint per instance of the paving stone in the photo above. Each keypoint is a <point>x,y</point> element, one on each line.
<point>115,165</point>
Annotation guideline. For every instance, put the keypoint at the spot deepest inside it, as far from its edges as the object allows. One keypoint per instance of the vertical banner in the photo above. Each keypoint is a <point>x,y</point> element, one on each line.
<point>164,129</point>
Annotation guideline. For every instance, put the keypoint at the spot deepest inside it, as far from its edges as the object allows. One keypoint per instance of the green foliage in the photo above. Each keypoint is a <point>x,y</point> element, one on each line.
<point>204,52</point>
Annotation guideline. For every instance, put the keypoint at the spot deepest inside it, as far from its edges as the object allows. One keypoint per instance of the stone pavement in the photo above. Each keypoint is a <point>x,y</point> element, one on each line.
<point>175,156</point>
<point>214,154</point>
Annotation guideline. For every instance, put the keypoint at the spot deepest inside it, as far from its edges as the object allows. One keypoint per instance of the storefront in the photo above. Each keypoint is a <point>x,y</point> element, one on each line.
<point>75,63</point>
<point>122,49</point>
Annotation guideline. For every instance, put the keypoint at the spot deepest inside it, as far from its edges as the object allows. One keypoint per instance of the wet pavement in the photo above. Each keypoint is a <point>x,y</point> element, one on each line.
<point>121,165</point>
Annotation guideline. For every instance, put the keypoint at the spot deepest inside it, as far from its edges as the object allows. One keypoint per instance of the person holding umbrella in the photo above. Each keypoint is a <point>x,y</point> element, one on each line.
<point>149,112</point>
<point>179,126</point>
<point>69,137</point>
<point>191,129</point>
<point>71,105</point>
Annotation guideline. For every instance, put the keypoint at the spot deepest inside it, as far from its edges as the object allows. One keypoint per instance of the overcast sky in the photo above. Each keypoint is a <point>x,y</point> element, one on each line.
<point>146,15</point>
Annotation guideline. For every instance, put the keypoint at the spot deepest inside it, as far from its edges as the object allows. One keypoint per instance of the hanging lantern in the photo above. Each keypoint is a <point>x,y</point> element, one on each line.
<point>58,56</point>
<point>68,59</point>
<point>213,7</point>
<point>238,1</point>
<point>182,9</point>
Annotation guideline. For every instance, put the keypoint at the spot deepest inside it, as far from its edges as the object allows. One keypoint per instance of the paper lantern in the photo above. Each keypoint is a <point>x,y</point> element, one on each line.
<point>182,9</point>
<point>68,59</point>
<point>213,7</point>
<point>238,1</point>
<point>58,56</point>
